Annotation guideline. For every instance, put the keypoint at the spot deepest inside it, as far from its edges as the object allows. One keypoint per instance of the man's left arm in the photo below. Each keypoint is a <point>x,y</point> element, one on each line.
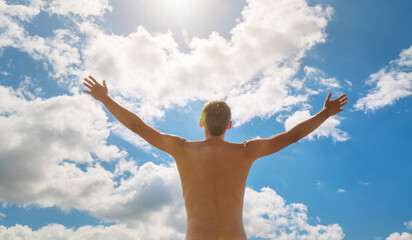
<point>165,142</point>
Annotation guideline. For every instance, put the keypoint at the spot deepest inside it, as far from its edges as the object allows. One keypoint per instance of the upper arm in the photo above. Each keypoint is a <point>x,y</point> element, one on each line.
<point>265,146</point>
<point>166,142</point>
<point>170,143</point>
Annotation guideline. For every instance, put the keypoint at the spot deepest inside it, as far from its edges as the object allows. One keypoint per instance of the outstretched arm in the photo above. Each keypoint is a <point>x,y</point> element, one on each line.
<point>165,142</point>
<point>261,147</point>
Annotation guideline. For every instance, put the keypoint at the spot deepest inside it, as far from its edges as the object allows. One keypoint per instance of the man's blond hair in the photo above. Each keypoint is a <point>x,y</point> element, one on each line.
<point>216,117</point>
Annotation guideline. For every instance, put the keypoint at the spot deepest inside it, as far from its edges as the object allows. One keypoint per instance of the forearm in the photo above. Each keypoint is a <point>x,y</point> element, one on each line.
<point>164,142</point>
<point>126,117</point>
<point>304,128</point>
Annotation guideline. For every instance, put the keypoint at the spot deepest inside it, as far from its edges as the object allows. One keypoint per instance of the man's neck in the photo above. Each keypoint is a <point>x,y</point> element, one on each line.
<point>209,137</point>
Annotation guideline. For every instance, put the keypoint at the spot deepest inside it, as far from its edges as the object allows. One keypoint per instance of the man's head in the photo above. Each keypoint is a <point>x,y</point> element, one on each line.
<point>215,117</point>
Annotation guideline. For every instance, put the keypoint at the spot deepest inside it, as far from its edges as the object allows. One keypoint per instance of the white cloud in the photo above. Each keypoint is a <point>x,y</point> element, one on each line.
<point>2,215</point>
<point>82,8</point>
<point>327,129</point>
<point>340,190</point>
<point>408,225</point>
<point>391,83</point>
<point>252,70</point>
<point>22,12</point>
<point>41,145</point>
<point>397,236</point>
<point>405,57</point>
<point>114,232</point>
<point>266,215</point>
<point>129,136</point>
<point>349,83</point>
<point>363,183</point>
<point>10,17</point>
<point>38,135</point>
<point>320,78</point>
<point>57,51</point>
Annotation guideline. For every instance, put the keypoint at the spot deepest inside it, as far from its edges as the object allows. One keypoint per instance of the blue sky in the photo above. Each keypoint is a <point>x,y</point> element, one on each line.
<point>68,169</point>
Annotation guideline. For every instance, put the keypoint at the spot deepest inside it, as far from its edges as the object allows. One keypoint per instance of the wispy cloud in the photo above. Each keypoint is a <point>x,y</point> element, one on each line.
<point>390,84</point>
<point>408,225</point>
<point>320,78</point>
<point>327,129</point>
<point>363,183</point>
<point>83,8</point>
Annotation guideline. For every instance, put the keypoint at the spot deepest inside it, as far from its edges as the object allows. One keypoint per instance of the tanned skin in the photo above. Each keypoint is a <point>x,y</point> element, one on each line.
<point>213,172</point>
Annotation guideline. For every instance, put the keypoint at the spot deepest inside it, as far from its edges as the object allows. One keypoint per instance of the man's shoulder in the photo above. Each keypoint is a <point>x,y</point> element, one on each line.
<point>222,143</point>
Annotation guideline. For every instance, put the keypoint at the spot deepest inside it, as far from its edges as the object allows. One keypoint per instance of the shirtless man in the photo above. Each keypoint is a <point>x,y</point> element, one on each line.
<point>213,172</point>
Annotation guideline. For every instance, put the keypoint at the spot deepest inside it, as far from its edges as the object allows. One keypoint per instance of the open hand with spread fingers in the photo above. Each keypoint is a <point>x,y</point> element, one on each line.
<point>335,106</point>
<point>97,91</point>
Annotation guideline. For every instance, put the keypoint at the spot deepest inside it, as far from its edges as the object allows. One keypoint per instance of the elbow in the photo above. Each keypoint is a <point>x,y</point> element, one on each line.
<point>295,138</point>
<point>134,127</point>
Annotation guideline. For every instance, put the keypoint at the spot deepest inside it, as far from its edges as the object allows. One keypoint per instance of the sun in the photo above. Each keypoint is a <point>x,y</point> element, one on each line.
<point>180,10</point>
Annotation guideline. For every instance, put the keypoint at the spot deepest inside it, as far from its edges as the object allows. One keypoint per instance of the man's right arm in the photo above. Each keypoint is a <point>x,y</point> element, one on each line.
<point>261,147</point>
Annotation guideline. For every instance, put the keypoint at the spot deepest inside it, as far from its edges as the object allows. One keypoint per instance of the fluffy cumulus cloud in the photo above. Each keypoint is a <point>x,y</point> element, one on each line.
<point>390,84</point>
<point>57,51</point>
<point>327,129</point>
<point>45,143</point>
<point>38,136</point>
<point>402,236</point>
<point>10,17</point>
<point>266,215</point>
<point>252,71</point>
<point>56,231</point>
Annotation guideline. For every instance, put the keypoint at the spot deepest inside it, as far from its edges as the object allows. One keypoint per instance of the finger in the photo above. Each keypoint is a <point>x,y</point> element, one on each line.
<point>329,96</point>
<point>87,92</point>
<point>87,85</point>
<point>89,82</point>
<point>343,103</point>
<point>94,80</point>
<point>344,99</point>
<point>104,84</point>
<point>340,97</point>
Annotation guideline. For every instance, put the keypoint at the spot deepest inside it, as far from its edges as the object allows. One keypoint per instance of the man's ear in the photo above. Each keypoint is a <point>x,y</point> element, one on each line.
<point>230,125</point>
<point>200,123</point>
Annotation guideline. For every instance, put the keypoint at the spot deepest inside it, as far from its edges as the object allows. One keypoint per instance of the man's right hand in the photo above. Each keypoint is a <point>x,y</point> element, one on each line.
<point>335,106</point>
<point>98,91</point>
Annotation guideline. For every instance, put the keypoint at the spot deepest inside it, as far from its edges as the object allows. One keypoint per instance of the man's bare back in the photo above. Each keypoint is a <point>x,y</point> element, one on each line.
<point>213,172</point>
